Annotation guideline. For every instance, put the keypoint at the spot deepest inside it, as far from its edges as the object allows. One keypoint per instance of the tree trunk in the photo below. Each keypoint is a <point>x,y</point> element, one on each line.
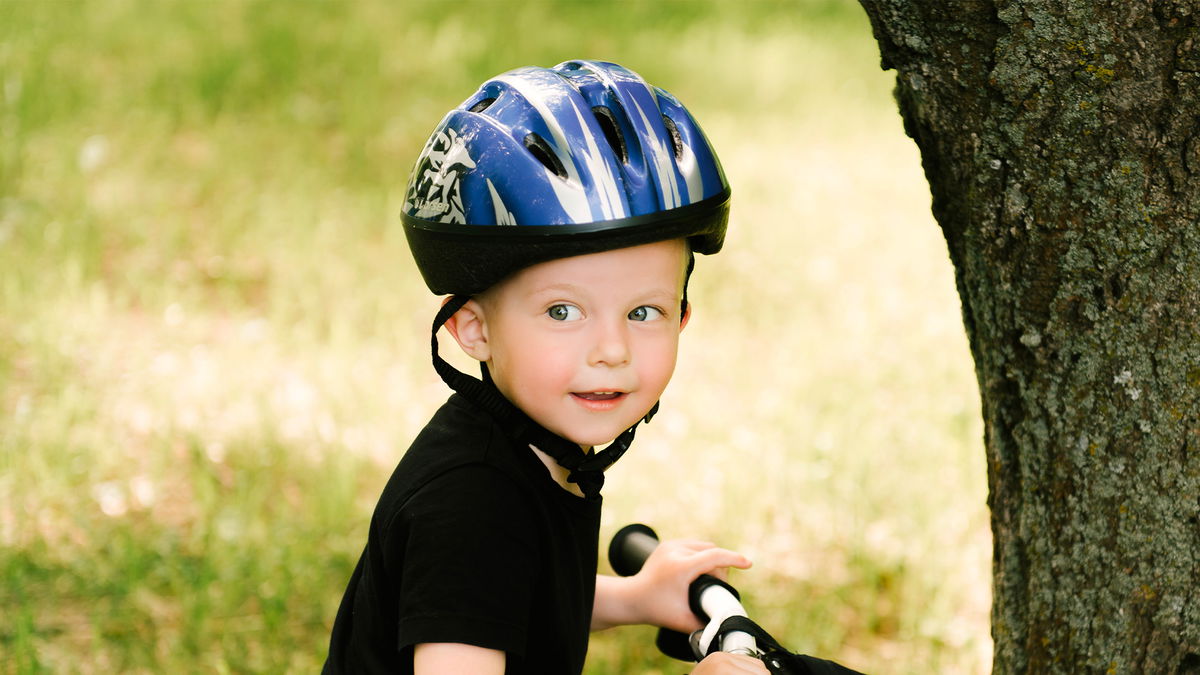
<point>1061,141</point>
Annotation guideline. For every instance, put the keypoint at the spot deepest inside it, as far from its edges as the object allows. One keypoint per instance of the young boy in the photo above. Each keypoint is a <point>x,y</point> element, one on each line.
<point>560,209</point>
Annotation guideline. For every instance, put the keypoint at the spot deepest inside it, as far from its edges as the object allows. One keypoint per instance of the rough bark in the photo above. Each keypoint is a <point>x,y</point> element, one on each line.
<point>1061,141</point>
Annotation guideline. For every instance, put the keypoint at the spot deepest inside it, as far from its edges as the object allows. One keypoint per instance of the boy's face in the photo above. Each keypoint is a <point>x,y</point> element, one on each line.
<point>586,345</point>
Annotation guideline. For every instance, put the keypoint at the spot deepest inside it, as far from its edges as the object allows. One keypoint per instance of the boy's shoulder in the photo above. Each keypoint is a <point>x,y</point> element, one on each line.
<point>460,448</point>
<point>457,422</point>
<point>458,433</point>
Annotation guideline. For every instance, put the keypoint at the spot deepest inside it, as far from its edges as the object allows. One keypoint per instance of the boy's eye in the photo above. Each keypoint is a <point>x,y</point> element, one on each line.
<point>564,313</point>
<point>645,313</point>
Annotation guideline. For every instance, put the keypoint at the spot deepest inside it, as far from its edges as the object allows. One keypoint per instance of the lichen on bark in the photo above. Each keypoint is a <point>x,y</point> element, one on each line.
<point>1061,142</point>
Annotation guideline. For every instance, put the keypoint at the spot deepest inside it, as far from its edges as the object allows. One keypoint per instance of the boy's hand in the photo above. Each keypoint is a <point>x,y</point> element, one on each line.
<point>722,662</point>
<point>660,589</point>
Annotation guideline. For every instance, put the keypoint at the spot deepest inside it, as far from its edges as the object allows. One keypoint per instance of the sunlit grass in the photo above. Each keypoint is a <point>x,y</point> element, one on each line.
<point>213,344</point>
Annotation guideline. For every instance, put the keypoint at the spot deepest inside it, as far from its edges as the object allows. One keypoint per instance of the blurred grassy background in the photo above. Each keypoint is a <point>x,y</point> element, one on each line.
<point>213,343</point>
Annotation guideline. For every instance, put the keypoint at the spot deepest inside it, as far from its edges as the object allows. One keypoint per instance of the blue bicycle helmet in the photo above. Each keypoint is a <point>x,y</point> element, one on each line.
<point>546,163</point>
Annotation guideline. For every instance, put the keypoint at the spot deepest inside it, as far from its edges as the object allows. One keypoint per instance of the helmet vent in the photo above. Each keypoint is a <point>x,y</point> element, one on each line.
<point>542,152</point>
<point>482,104</point>
<point>676,139</point>
<point>612,132</point>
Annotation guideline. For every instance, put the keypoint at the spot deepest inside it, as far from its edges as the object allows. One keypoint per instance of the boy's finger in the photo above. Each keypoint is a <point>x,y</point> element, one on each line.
<point>715,558</point>
<point>692,544</point>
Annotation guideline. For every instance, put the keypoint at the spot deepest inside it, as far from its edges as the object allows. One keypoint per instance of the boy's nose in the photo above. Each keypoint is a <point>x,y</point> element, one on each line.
<point>611,346</point>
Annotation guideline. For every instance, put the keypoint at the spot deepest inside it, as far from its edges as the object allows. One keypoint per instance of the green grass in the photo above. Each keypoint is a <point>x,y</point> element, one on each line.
<point>212,340</point>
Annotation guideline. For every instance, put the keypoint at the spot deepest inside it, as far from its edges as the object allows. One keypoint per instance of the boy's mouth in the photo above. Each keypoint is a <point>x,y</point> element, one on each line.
<point>598,395</point>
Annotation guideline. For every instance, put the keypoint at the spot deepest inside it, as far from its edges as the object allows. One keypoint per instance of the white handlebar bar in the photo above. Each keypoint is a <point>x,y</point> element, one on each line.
<point>719,604</point>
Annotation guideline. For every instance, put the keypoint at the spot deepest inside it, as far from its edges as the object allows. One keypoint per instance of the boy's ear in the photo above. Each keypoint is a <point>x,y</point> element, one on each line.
<point>687,314</point>
<point>469,331</point>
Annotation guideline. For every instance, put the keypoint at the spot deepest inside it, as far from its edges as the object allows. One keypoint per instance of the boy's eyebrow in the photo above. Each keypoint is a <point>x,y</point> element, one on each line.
<point>566,287</point>
<point>563,287</point>
<point>671,293</point>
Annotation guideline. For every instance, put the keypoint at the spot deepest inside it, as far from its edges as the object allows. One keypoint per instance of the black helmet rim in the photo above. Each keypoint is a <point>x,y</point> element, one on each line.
<point>469,259</point>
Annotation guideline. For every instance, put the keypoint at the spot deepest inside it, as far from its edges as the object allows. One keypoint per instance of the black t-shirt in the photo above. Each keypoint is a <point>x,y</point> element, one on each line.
<point>472,541</point>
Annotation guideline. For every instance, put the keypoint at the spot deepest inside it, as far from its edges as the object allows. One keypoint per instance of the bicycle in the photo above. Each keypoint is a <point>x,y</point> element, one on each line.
<point>728,627</point>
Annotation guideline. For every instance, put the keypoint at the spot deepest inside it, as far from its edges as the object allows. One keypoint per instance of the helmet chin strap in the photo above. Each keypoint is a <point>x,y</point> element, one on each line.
<point>586,470</point>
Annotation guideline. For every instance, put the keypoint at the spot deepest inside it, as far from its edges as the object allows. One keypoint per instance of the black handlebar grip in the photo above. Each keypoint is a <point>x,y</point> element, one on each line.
<point>630,547</point>
<point>697,588</point>
<point>627,552</point>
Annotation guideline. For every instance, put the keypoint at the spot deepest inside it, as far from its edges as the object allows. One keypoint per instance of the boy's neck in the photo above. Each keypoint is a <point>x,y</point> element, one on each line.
<point>557,472</point>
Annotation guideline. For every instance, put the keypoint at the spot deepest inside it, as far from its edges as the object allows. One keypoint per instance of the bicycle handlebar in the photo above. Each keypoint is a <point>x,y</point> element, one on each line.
<point>716,602</point>
<point>710,599</point>
<point>630,547</point>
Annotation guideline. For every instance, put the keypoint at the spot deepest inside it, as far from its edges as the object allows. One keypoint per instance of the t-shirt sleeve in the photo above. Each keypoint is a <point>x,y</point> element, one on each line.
<point>469,561</point>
